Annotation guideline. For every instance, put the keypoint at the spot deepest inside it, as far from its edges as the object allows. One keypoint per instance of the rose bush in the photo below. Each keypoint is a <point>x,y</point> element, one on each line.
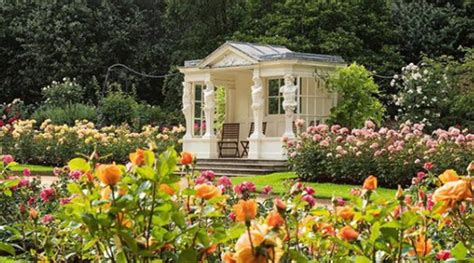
<point>141,212</point>
<point>336,154</point>
<point>56,144</point>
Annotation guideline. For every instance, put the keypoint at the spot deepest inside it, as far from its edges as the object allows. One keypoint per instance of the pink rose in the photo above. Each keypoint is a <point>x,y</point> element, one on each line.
<point>225,182</point>
<point>443,255</point>
<point>310,200</point>
<point>210,175</point>
<point>75,174</point>
<point>7,158</point>
<point>267,189</point>
<point>47,219</point>
<point>47,194</point>
<point>26,172</point>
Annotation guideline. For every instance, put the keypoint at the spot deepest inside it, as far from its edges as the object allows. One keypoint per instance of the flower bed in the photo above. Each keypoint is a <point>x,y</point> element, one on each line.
<point>56,144</point>
<point>336,154</point>
<point>143,212</point>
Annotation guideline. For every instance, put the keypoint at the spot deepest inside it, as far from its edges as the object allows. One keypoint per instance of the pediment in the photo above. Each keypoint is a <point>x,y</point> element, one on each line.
<point>227,56</point>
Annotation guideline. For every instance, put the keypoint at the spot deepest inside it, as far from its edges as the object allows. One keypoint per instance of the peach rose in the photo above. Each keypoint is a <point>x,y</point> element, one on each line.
<point>370,183</point>
<point>109,174</point>
<point>345,212</point>
<point>348,233</point>
<point>138,157</point>
<point>228,257</point>
<point>207,191</point>
<point>33,213</point>
<point>245,210</point>
<point>423,247</point>
<point>186,158</point>
<point>244,253</point>
<point>452,192</point>
<point>448,176</point>
<point>274,219</point>
<point>326,229</point>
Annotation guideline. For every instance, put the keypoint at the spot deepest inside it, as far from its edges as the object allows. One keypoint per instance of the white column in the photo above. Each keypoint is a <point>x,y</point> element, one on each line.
<point>209,109</point>
<point>187,108</point>
<point>289,104</point>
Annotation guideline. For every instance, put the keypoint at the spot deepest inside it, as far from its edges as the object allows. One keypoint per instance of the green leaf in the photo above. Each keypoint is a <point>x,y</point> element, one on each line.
<point>297,256</point>
<point>362,259</point>
<point>146,172</point>
<point>188,255</point>
<point>409,219</point>
<point>79,164</point>
<point>11,183</point>
<point>74,188</point>
<point>149,158</point>
<point>375,231</point>
<point>11,164</point>
<point>7,248</point>
<point>459,251</point>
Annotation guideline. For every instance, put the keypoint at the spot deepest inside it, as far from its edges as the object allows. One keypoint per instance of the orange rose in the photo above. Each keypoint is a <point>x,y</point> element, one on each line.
<point>167,189</point>
<point>423,247</point>
<point>124,221</point>
<point>245,210</point>
<point>348,233</point>
<point>370,183</point>
<point>274,219</point>
<point>244,253</point>
<point>33,213</point>
<point>345,212</point>
<point>109,174</point>
<point>326,229</point>
<point>470,168</point>
<point>448,176</point>
<point>228,257</point>
<point>138,157</point>
<point>186,158</point>
<point>452,192</point>
<point>207,191</point>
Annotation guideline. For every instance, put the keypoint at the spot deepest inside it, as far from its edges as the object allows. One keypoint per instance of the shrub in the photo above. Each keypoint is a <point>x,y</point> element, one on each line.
<point>59,94</point>
<point>357,90</point>
<point>439,92</point>
<point>143,212</point>
<point>55,144</point>
<point>118,108</point>
<point>67,114</point>
<point>10,112</point>
<point>341,155</point>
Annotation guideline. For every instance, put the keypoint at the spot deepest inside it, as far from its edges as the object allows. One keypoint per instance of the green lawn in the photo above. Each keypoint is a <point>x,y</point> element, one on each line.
<point>33,168</point>
<point>323,190</point>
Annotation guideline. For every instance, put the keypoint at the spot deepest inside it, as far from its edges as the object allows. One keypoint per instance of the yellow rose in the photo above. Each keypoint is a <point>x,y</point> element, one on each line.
<point>245,210</point>
<point>448,176</point>
<point>370,183</point>
<point>452,192</point>
<point>206,191</point>
<point>109,174</point>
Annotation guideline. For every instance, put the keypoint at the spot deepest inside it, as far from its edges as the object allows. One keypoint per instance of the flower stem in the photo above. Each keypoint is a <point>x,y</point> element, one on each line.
<point>250,238</point>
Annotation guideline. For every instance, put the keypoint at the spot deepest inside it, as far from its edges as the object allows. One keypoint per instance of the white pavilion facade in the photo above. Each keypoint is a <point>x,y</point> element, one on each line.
<point>265,85</point>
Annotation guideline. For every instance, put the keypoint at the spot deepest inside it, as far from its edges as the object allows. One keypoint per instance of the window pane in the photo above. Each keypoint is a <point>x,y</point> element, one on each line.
<point>198,91</point>
<point>197,110</point>
<point>273,87</point>
<point>280,103</point>
<point>273,105</point>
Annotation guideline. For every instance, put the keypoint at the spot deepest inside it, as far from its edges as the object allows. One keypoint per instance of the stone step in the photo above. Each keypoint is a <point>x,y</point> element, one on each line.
<point>209,166</point>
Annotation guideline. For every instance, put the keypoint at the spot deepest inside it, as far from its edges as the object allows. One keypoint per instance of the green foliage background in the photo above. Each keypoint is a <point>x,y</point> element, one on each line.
<point>41,42</point>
